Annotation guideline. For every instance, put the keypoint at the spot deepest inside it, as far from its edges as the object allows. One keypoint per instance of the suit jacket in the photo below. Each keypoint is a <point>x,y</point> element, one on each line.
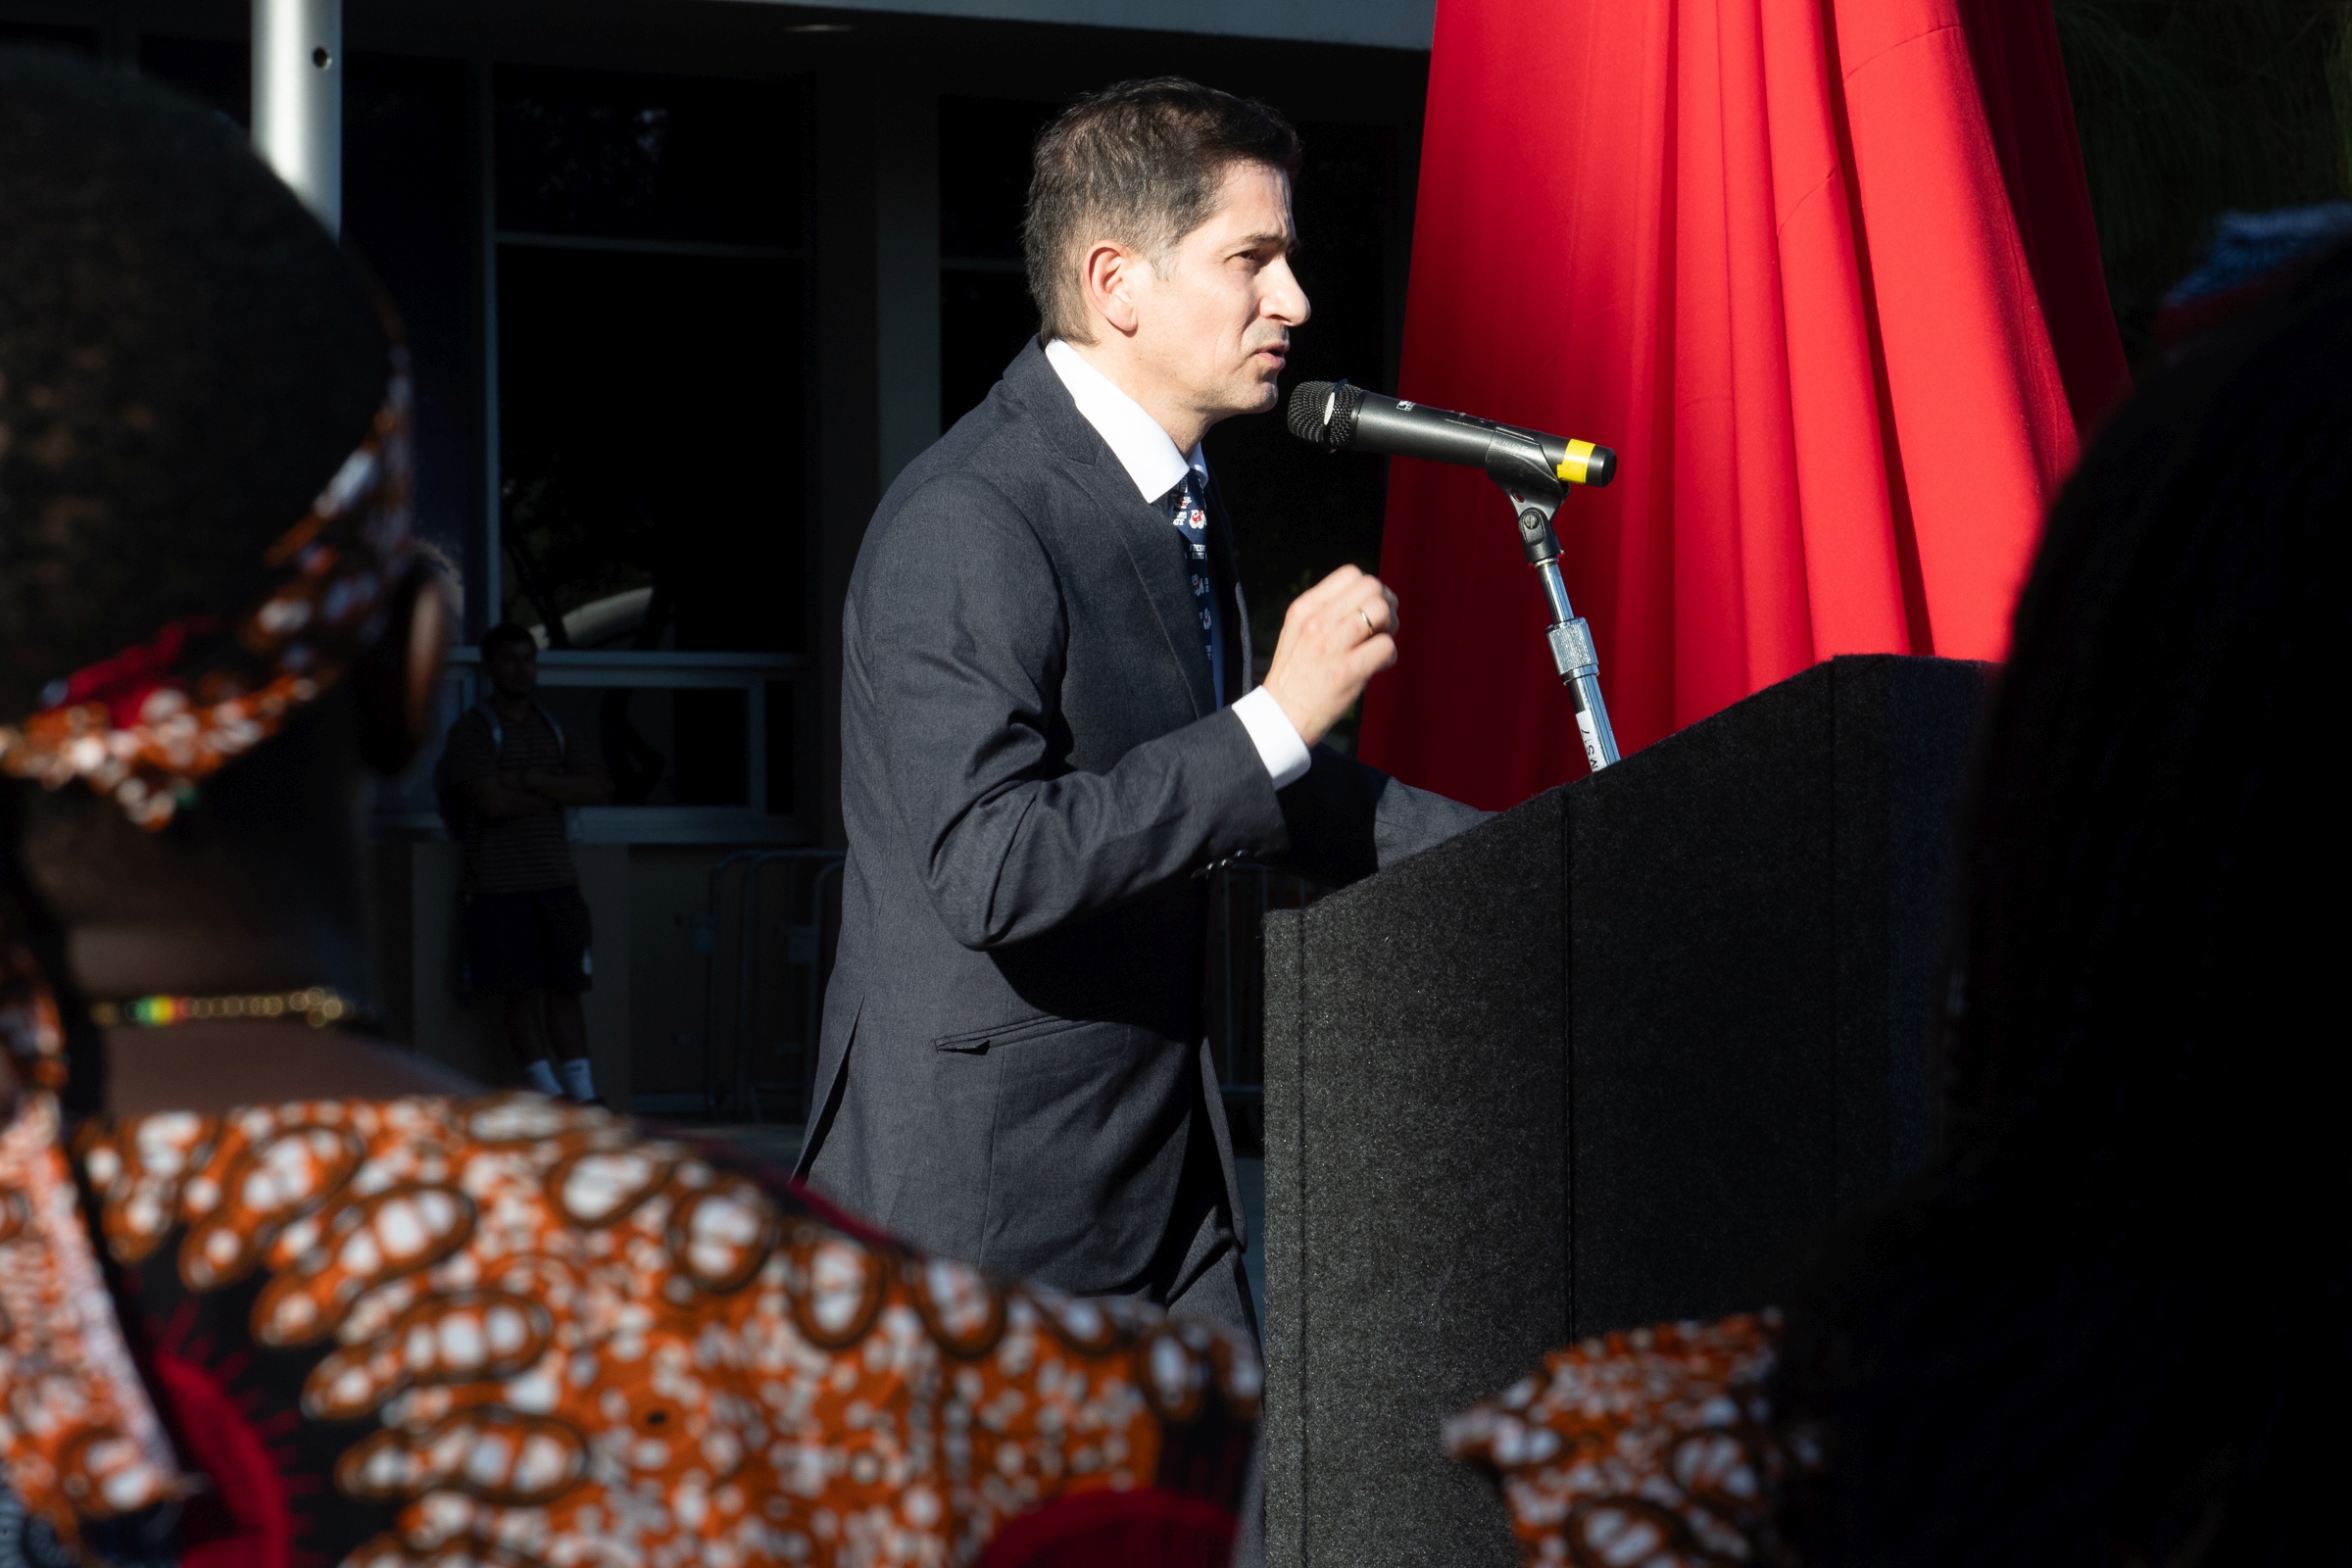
<point>1034,772</point>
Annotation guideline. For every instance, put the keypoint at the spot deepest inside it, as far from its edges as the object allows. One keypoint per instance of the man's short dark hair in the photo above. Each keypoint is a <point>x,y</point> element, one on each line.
<point>505,632</point>
<point>1140,164</point>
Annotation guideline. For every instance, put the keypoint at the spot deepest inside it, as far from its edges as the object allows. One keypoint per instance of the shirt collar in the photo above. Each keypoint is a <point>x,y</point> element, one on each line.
<point>1133,437</point>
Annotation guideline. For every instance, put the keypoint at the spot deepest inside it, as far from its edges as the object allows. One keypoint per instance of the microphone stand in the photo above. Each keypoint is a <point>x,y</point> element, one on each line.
<point>1536,493</point>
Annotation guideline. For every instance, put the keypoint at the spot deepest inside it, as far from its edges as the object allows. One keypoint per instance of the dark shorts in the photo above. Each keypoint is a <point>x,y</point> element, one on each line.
<point>526,941</point>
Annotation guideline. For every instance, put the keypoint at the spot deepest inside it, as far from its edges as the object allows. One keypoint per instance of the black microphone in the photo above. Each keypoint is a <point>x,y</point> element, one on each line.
<point>1348,419</point>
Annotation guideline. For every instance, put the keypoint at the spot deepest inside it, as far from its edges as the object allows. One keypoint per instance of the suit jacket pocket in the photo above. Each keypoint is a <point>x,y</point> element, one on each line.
<point>1005,1034</point>
<point>1087,1144</point>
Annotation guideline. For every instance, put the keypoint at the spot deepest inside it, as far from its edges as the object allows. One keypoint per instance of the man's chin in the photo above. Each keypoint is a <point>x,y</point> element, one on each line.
<point>1259,398</point>
<point>1252,396</point>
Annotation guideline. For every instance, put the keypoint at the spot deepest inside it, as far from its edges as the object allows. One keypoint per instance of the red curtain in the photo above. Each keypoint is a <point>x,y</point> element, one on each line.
<point>1823,272</point>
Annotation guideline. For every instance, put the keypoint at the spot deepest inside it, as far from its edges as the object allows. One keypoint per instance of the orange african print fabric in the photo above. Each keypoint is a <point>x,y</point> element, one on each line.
<point>76,1429</point>
<point>514,1332</point>
<point>78,1433</point>
<point>1652,1449</point>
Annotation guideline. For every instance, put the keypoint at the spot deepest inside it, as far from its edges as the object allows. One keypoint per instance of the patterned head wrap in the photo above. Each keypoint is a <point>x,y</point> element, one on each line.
<point>149,723</point>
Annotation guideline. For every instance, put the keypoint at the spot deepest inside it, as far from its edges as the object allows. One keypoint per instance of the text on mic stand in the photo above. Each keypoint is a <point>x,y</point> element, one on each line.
<point>1535,471</point>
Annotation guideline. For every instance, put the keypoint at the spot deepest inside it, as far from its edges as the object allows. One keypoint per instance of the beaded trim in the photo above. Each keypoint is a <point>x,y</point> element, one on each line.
<point>316,1005</point>
<point>147,724</point>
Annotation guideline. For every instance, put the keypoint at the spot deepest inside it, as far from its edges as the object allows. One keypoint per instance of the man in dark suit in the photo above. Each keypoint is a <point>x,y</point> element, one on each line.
<point>1049,733</point>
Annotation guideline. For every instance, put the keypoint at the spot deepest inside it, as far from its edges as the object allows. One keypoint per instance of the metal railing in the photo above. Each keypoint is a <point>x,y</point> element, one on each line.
<point>407,807</point>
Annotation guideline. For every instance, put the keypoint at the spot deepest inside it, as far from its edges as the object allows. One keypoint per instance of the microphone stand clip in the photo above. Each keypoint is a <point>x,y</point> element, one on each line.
<point>1536,491</point>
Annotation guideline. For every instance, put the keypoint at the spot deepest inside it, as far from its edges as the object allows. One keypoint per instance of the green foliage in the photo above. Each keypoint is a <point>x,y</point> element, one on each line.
<point>2190,108</point>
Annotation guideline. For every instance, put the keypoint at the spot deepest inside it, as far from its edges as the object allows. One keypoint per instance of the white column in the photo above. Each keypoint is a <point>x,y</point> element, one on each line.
<point>298,99</point>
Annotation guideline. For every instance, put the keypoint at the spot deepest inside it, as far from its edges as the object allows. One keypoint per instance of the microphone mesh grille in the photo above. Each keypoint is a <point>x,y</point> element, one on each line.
<point>1323,412</point>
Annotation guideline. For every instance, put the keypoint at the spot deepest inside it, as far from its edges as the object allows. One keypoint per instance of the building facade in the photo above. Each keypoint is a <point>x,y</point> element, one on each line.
<point>686,283</point>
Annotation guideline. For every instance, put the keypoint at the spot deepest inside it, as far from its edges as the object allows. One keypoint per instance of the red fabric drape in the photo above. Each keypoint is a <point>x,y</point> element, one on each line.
<point>1823,272</point>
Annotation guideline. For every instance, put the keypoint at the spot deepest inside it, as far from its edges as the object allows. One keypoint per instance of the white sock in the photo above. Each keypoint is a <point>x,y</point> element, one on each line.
<point>542,1077</point>
<point>576,1080</point>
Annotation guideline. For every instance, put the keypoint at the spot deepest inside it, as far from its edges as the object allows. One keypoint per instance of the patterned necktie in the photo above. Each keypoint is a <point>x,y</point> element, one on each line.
<point>1185,510</point>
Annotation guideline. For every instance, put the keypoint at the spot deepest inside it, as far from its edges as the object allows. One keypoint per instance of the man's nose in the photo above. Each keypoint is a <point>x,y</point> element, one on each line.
<point>1285,301</point>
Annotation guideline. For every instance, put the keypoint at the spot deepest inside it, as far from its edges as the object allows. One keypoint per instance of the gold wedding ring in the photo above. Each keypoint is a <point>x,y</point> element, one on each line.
<point>1367,614</point>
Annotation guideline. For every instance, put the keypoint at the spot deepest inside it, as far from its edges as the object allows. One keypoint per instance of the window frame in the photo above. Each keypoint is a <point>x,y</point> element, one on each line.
<point>406,805</point>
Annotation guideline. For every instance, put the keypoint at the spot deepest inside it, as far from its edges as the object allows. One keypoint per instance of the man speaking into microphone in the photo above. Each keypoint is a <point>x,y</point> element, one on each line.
<point>1049,733</point>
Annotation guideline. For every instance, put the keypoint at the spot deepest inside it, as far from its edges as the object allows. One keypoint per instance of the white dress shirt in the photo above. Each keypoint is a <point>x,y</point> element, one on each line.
<point>1152,462</point>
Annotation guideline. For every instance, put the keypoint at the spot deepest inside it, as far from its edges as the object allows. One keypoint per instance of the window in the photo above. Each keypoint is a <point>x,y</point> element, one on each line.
<point>650,444</point>
<point>647,294</point>
<point>603,281</point>
<point>606,306</point>
<point>651,341</point>
<point>985,314</point>
<point>409,213</point>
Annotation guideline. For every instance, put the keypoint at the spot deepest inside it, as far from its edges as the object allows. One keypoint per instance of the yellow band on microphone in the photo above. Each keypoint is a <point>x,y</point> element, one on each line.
<point>1575,466</point>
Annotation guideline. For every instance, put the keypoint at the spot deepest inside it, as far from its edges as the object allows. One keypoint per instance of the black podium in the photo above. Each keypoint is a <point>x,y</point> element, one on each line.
<point>1612,1057</point>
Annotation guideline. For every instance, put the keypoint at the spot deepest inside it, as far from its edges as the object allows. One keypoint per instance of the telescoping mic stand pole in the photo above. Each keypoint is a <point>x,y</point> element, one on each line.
<point>1537,488</point>
<point>1535,471</point>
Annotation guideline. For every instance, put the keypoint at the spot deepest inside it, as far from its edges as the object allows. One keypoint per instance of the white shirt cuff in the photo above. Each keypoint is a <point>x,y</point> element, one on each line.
<point>1270,731</point>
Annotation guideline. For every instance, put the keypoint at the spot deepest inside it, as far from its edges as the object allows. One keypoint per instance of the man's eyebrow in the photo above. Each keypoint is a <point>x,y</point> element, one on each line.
<point>1272,237</point>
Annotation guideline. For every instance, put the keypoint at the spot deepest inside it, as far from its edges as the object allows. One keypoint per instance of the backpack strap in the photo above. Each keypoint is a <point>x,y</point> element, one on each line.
<point>498,750</point>
<point>562,746</point>
<point>498,733</point>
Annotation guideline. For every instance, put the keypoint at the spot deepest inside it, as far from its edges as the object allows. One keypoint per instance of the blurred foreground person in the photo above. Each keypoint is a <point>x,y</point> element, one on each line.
<point>2112,1322</point>
<point>271,1294</point>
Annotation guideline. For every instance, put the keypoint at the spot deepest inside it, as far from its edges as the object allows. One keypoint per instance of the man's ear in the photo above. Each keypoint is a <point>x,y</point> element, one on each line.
<point>394,682</point>
<point>1109,279</point>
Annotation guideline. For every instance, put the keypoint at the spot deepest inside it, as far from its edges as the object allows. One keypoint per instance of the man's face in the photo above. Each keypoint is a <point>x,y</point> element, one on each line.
<point>514,669</point>
<point>1216,330</point>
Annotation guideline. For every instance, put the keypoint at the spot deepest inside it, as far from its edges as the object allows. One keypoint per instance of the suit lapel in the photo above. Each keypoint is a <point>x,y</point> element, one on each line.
<point>1159,559</point>
<point>1143,530</point>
